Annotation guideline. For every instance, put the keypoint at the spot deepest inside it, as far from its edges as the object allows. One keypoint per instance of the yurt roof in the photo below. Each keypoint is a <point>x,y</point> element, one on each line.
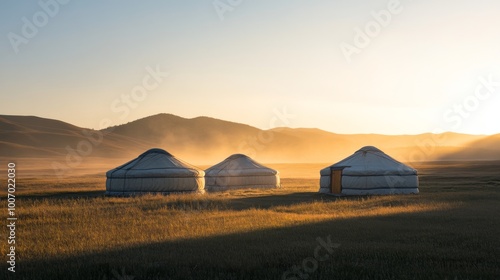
<point>155,163</point>
<point>239,164</point>
<point>370,160</point>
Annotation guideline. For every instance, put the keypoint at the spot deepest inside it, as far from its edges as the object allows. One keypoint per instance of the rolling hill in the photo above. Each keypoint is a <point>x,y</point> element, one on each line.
<point>205,140</point>
<point>29,136</point>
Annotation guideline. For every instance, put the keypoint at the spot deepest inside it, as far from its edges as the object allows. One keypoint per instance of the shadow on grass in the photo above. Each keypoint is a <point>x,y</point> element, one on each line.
<point>259,201</point>
<point>289,199</point>
<point>63,195</point>
<point>427,245</point>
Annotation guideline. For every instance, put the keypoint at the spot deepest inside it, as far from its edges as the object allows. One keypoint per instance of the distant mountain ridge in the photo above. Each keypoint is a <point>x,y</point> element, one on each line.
<point>208,140</point>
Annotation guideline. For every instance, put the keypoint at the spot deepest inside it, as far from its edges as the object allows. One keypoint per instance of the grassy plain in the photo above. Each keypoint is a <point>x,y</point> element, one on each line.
<point>68,229</point>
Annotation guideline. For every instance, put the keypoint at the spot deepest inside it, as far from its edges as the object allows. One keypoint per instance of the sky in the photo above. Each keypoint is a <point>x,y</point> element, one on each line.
<point>351,66</point>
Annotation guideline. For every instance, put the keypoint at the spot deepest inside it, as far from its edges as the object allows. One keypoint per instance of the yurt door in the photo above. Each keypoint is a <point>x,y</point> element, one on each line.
<point>336,182</point>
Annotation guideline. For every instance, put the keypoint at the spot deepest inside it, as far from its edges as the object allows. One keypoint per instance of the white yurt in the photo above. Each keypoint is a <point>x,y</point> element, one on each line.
<point>154,171</point>
<point>240,171</point>
<point>368,171</point>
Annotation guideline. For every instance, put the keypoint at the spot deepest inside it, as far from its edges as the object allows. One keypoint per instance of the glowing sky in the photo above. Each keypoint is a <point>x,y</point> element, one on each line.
<point>423,68</point>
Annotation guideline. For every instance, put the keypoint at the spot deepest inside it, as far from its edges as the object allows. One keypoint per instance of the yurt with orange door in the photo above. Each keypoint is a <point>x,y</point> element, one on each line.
<point>368,171</point>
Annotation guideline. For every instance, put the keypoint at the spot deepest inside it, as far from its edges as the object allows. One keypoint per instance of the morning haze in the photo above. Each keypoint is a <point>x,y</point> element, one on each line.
<point>410,62</point>
<point>233,139</point>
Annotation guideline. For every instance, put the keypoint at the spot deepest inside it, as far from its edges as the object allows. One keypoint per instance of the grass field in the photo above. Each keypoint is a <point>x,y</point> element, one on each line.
<point>68,229</point>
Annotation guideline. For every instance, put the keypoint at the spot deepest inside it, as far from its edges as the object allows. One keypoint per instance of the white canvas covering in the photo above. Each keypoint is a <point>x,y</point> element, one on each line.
<point>154,171</point>
<point>240,171</point>
<point>371,171</point>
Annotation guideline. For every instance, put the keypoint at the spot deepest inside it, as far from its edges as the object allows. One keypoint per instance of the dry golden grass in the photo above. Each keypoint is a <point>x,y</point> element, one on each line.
<point>75,226</point>
<point>70,230</point>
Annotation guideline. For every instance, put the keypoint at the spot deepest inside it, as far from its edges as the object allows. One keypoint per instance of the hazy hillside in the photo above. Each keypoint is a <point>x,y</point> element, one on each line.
<point>205,140</point>
<point>483,148</point>
<point>421,147</point>
<point>29,136</point>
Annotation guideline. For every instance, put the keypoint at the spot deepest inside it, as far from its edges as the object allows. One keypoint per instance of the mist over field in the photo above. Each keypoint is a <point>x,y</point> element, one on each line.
<point>204,141</point>
<point>232,139</point>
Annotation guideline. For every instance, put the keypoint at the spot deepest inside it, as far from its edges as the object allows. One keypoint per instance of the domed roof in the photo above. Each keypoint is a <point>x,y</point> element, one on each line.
<point>370,160</point>
<point>155,163</point>
<point>155,151</point>
<point>367,149</point>
<point>237,165</point>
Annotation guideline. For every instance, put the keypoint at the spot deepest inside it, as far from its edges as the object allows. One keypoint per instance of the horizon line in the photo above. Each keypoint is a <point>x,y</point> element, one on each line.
<point>279,127</point>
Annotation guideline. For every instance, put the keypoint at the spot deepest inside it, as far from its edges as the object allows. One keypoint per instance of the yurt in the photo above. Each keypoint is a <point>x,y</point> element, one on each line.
<point>154,171</point>
<point>368,171</point>
<point>240,171</point>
